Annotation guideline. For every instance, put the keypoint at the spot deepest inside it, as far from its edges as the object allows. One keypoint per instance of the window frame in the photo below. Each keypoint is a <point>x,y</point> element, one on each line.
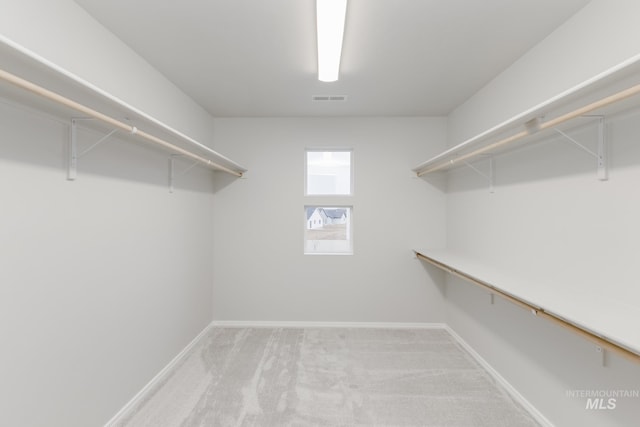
<point>333,150</point>
<point>350,250</point>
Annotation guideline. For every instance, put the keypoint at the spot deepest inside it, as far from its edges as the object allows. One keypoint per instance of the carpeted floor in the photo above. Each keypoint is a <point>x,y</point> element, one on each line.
<point>328,377</point>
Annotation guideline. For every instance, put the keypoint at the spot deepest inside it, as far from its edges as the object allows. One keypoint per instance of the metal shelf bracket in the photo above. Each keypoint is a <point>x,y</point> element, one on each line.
<point>600,155</point>
<point>489,177</point>
<point>74,156</point>
<point>172,170</point>
<point>603,355</point>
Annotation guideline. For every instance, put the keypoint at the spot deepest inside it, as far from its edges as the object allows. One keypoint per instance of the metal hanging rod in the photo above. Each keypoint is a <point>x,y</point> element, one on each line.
<point>529,130</point>
<point>600,341</point>
<point>55,97</point>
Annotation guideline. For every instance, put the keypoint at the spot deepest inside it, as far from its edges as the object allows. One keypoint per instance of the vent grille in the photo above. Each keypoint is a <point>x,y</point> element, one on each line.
<point>329,98</point>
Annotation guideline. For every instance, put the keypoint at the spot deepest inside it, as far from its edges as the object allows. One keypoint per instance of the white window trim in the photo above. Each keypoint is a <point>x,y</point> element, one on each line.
<point>351,171</point>
<point>350,229</point>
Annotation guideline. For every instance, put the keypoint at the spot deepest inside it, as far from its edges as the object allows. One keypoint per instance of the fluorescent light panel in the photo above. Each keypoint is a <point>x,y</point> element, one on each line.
<point>331,16</point>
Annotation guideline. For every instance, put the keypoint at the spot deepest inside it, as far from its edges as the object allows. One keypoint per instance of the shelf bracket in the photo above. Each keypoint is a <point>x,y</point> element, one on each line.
<point>172,170</point>
<point>600,155</point>
<point>74,156</point>
<point>603,355</point>
<point>489,177</point>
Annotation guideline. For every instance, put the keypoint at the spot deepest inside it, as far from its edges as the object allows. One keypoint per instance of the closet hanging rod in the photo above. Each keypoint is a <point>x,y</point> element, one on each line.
<point>549,124</point>
<point>599,340</point>
<point>37,59</point>
<point>55,97</point>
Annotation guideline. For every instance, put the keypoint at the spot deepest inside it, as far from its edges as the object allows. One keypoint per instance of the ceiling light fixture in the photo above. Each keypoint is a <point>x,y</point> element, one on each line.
<point>330,16</point>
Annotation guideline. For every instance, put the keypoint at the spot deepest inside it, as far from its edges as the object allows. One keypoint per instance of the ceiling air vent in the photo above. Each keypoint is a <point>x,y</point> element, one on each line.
<point>329,98</point>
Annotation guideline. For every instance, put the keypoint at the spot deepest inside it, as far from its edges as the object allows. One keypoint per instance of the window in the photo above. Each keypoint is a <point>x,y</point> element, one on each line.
<point>328,230</point>
<point>328,179</point>
<point>328,173</point>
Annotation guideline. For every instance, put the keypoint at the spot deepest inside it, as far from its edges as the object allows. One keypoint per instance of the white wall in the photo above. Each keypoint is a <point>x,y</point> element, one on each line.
<point>60,31</point>
<point>104,280</point>
<point>603,34</point>
<point>550,220</point>
<point>259,222</point>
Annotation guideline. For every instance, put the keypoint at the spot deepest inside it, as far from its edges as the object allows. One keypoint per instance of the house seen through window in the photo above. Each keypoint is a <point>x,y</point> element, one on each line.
<point>328,230</point>
<point>328,227</point>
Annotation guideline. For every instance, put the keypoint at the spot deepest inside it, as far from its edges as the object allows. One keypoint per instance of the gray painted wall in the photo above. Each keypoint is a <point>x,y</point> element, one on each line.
<point>72,39</point>
<point>603,34</point>
<point>550,220</point>
<point>260,270</point>
<point>110,277</point>
<point>104,280</point>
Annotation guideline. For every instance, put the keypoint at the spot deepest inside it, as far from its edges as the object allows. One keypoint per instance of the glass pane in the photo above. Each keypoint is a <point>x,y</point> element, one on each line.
<point>328,172</point>
<point>327,230</point>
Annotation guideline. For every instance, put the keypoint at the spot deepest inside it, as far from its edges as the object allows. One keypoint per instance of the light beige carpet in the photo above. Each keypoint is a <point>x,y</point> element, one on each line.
<point>328,377</point>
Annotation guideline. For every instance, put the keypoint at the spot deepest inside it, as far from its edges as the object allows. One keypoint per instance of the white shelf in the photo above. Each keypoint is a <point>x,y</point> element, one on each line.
<point>23,64</point>
<point>607,321</point>
<point>561,112</point>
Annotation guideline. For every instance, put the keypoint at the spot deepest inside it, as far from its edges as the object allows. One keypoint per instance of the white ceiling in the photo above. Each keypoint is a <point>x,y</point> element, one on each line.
<point>400,57</point>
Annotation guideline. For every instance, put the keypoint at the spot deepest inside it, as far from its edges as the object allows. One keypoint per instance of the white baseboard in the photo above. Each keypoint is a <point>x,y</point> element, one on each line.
<point>288,324</point>
<point>295,325</point>
<point>157,379</point>
<point>502,381</point>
